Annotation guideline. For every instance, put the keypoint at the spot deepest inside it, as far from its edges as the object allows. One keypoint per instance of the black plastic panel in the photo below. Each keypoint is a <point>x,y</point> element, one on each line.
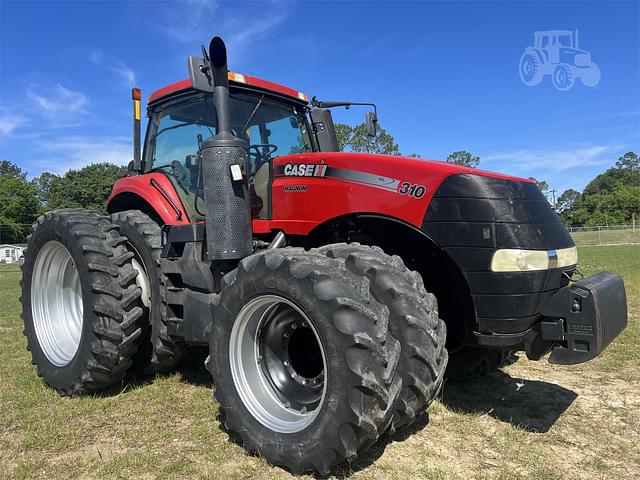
<point>470,217</point>
<point>503,305</point>
<point>538,236</point>
<point>478,186</point>
<point>507,325</point>
<point>490,210</point>
<point>514,282</point>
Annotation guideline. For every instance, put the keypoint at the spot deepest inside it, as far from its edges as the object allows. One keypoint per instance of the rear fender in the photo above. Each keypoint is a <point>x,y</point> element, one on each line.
<point>151,190</point>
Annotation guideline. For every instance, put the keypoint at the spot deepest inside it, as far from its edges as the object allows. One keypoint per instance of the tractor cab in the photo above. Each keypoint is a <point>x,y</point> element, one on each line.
<point>272,119</point>
<point>271,123</point>
<point>558,38</point>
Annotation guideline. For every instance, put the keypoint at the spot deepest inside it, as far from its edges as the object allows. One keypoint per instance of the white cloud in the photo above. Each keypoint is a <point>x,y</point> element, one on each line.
<point>73,152</point>
<point>61,105</point>
<point>96,56</point>
<point>9,122</point>
<point>127,74</point>
<point>186,21</point>
<point>240,24</point>
<point>115,65</point>
<point>556,160</point>
<point>562,167</point>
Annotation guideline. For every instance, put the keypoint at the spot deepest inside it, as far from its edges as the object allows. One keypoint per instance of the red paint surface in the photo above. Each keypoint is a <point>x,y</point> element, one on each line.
<point>141,185</point>
<point>327,198</point>
<point>249,80</point>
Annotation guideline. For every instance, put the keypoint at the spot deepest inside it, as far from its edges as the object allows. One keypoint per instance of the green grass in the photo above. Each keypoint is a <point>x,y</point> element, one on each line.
<point>531,421</point>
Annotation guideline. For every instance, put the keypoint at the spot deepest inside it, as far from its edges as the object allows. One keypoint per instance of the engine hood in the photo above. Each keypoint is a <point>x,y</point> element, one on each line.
<point>320,186</point>
<point>393,166</point>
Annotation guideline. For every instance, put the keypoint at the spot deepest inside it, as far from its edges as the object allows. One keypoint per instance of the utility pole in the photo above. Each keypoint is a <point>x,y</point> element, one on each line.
<point>553,197</point>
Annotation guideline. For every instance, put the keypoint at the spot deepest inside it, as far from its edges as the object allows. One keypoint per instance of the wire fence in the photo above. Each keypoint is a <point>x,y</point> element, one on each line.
<point>605,235</point>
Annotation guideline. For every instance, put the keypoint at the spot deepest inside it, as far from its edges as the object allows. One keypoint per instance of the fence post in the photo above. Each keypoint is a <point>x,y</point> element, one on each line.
<point>599,236</point>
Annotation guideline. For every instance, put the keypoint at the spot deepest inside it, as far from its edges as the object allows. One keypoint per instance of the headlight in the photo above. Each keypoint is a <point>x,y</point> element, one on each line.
<point>516,260</point>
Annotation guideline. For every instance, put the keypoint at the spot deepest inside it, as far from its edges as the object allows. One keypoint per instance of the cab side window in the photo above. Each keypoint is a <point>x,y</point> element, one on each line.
<point>174,136</point>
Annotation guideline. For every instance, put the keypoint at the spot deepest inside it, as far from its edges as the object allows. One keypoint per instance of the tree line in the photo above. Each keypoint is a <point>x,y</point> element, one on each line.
<point>613,197</point>
<point>22,200</point>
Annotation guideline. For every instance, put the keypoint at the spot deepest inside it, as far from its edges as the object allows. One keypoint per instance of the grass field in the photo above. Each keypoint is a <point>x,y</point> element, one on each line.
<point>530,421</point>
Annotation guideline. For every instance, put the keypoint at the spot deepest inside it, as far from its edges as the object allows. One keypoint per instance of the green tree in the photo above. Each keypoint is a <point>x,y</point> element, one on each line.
<point>343,133</point>
<point>18,207</point>
<point>567,200</point>
<point>613,197</point>
<point>10,168</point>
<point>88,187</point>
<point>542,185</point>
<point>43,185</point>
<point>464,158</point>
<point>629,161</point>
<point>356,139</point>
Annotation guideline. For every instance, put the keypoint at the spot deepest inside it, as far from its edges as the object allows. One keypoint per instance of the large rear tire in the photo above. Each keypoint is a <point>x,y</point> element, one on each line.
<point>303,366</point>
<point>80,302</point>
<point>413,320</point>
<point>158,351</point>
<point>530,69</point>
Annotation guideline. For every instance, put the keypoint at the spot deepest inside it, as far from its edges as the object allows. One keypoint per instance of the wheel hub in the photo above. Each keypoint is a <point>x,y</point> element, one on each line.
<point>278,363</point>
<point>56,303</point>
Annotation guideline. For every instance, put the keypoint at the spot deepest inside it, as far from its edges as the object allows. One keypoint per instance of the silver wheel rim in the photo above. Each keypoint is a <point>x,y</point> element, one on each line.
<point>56,303</point>
<point>142,279</point>
<point>278,364</point>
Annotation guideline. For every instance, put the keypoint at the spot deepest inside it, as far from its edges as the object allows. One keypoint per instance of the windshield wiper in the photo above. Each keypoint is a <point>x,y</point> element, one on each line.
<point>253,112</point>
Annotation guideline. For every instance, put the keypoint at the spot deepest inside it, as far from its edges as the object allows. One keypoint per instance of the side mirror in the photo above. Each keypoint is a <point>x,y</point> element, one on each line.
<point>372,122</point>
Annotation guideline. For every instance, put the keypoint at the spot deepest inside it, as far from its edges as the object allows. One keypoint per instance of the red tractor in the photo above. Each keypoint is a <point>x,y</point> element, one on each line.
<point>330,287</point>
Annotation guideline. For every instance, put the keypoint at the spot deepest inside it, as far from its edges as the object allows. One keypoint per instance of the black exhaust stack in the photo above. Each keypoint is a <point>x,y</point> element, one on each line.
<point>224,163</point>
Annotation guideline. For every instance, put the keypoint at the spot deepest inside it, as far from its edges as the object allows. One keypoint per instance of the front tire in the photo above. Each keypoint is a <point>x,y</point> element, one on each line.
<point>563,77</point>
<point>345,357</point>
<point>413,320</point>
<point>80,302</point>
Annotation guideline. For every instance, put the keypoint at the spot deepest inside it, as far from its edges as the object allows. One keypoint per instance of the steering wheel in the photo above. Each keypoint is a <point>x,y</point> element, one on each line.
<point>262,153</point>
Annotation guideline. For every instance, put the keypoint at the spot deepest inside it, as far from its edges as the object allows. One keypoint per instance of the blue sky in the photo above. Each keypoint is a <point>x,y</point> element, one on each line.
<point>444,75</point>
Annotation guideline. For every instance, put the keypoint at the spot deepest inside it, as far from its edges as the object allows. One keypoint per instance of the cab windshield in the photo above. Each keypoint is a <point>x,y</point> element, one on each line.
<point>270,126</point>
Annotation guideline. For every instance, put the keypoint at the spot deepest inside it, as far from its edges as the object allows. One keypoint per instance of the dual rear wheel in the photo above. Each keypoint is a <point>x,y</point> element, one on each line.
<point>81,304</point>
<point>316,354</point>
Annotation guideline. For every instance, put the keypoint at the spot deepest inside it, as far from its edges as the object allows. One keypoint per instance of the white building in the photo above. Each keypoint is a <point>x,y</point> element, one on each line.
<point>11,253</point>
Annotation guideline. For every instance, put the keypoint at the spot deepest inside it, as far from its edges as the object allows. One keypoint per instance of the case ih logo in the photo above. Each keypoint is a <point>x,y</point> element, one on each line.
<point>305,170</point>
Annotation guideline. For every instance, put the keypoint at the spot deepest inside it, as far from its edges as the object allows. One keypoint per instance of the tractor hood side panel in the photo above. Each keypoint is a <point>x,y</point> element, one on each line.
<point>310,189</point>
